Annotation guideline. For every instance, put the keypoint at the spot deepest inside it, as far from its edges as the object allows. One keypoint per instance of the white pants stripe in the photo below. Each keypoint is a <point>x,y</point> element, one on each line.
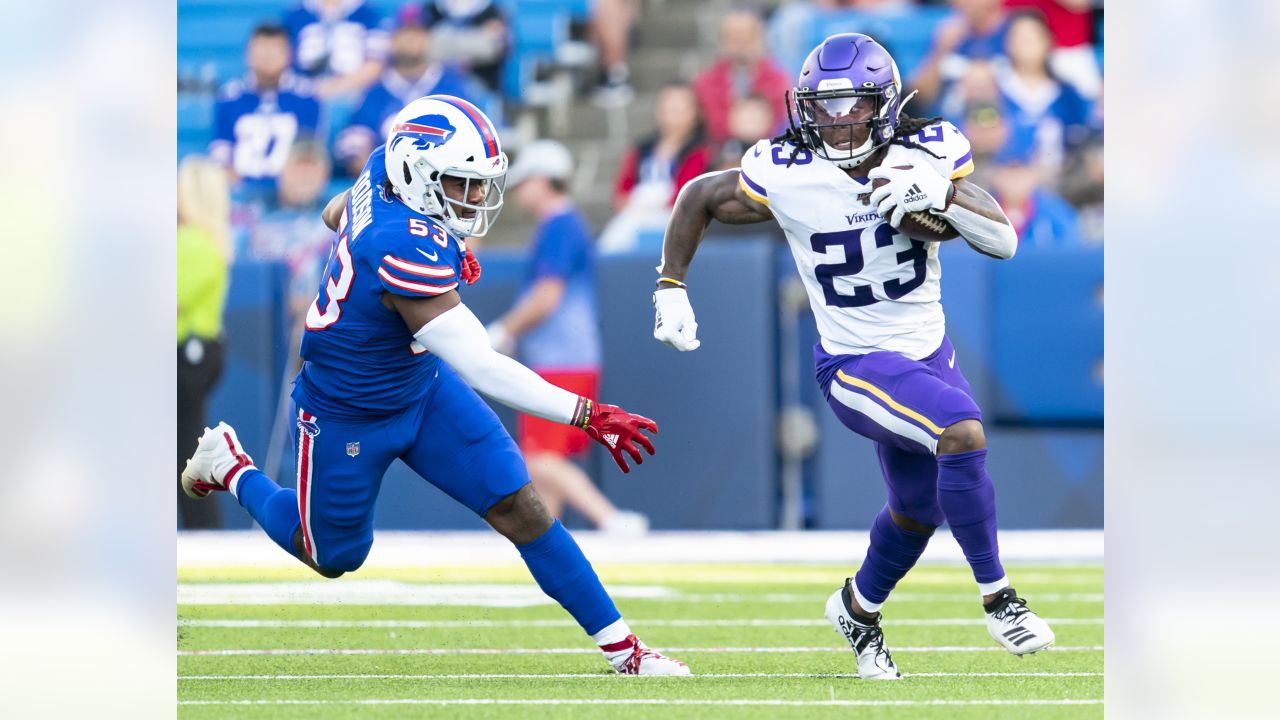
<point>881,416</point>
<point>305,460</point>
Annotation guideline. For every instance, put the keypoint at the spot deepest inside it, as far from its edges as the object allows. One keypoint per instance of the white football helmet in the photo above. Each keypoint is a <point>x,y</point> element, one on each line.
<point>441,135</point>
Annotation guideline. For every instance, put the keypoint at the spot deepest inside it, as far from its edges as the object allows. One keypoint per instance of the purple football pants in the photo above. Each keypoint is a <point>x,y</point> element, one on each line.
<point>903,406</point>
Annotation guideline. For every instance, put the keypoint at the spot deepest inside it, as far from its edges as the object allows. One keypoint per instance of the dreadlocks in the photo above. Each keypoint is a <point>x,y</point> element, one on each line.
<point>907,126</point>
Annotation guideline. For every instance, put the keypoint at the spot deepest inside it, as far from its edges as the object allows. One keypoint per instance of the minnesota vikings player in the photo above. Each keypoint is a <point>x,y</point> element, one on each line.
<point>391,360</point>
<point>884,362</point>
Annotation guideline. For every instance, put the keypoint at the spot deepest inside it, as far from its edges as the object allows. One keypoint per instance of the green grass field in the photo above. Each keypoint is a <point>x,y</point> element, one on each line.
<point>754,636</point>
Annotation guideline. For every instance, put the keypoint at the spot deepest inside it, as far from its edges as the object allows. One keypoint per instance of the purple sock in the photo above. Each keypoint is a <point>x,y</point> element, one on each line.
<point>968,499</point>
<point>893,552</point>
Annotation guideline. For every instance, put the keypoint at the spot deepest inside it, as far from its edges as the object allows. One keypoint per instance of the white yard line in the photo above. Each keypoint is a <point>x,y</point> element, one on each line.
<point>905,597</point>
<point>588,651</point>
<point>423,624</point>
<point>608,675</point>
<point>644,701</point>
<point>423,549</point>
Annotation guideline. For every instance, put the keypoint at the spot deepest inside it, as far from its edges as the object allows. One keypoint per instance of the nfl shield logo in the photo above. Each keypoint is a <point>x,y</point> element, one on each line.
<point>353,449</point>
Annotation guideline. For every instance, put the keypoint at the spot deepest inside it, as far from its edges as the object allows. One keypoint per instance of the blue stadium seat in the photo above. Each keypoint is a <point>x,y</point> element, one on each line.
<point>907,34</point>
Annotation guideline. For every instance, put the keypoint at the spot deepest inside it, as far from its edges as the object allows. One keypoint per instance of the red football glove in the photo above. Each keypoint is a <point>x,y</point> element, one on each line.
<point>616,428</point>
<point>470,267</point>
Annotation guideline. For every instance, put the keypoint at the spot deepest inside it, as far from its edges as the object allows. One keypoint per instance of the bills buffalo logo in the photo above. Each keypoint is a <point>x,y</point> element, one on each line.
<point>309,427</point>
<point>424,131</point>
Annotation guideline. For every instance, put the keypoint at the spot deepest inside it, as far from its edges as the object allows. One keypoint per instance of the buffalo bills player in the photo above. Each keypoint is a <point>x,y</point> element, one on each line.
<point>884,362</point>
<point>391,360</point>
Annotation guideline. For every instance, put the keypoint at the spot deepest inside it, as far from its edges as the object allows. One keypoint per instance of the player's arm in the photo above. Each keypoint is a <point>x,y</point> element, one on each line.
<point>333,211</point>
<point>715,195</point>
<point>448,329</point>
<point>719,196</point>
<point>980,220</point>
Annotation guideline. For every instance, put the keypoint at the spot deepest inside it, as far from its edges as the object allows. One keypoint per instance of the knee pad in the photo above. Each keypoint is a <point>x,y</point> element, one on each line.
<point>345,561</point>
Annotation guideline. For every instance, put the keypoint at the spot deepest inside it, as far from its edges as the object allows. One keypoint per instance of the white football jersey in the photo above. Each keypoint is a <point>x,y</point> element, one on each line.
<point>871,288</point>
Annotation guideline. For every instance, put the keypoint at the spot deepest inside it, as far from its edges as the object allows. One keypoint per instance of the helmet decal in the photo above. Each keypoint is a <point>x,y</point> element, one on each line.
<point>424,131</point>
<point>477,118</point>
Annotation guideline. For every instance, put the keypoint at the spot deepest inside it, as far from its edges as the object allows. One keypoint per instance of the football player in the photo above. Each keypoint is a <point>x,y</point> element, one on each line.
<point>884,362</point>
<point>392,363</point>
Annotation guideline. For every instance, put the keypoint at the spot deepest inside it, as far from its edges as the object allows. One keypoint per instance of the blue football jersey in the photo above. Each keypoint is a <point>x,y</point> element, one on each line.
<point>335,41</point>
<point>255,128</point>
<point>360,360</point>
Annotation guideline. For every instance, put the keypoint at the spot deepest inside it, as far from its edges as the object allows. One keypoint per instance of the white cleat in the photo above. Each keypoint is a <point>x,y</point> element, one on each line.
<point>632,657</point>
<point>219,458</point>
<point>867,640</point>
<point>1014,626</point>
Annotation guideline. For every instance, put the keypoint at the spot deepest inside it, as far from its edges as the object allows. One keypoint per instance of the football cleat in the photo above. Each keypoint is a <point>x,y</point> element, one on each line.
<point>632,657</point>
<point>219,458</point>
<point>866,638</point>
<point>1014,626</point>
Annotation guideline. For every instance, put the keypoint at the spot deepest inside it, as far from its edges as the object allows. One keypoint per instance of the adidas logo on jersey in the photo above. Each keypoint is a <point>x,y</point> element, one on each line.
<point>913,195</point>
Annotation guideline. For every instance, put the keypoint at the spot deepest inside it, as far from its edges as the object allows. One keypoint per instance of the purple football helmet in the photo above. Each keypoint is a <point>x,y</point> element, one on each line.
<point>849,85</point>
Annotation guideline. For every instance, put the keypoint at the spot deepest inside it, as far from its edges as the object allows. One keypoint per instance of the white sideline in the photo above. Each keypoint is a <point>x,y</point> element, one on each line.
<point>421,624</point>
<point>645,701</point>
<point>426,549</point>
<point>609,675</point>
<point>588,650</point>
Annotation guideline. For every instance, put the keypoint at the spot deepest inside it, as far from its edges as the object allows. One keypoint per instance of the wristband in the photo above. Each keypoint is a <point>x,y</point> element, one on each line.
<point>582,413</point>
<point>673,281</point>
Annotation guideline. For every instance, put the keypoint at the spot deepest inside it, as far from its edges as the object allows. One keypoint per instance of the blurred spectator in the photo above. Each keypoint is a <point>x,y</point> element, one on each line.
<point>977,85</point>
<point>750,119</point>
<point>1053,112</point>
<point>791,27</point>
<point>654,170</point>
<point>976,32</point>
<point>411,75</point>
<point>555,326</point>
<point>257,119</point>
<point>1041,217</point>
<point>474,33</point>
<point>1074,58</point>
<point>339,43</point>
<point>742,69</point>
<point>985,126</point>
<point>1082,186</point>
<point>611,22</point>
<point>204,254</point>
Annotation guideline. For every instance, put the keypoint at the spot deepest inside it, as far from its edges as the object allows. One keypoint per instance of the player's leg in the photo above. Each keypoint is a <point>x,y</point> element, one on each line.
<point>887,398</point>
<point>327,521</point>
<point>966,495</point>
<point>463,449</point>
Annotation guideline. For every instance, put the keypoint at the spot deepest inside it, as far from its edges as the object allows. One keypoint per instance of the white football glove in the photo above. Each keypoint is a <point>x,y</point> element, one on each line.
<point>673,321</point>
<point>919,188</point>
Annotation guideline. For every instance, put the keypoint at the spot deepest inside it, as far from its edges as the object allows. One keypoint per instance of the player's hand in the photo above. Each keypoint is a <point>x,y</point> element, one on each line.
<point>673,321</point>
<point>619,431</point>
<point>470,267</point>
<point>917,188</point>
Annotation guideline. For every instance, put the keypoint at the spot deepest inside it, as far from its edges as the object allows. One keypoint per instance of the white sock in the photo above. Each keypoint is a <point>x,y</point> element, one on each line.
<point>613,633</point>
<point>864,603</point>
<point>993,587</point>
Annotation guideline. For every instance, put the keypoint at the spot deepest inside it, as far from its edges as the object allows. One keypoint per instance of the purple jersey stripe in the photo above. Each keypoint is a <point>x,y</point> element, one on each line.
<point>752,183</point>
<point>963,159</point>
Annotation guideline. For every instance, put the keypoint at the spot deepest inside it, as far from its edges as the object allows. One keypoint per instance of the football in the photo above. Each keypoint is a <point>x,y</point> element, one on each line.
<point>920,225</point>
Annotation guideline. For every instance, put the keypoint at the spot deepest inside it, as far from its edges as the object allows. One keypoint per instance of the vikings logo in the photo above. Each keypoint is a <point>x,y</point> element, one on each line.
<point>424,131</point>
